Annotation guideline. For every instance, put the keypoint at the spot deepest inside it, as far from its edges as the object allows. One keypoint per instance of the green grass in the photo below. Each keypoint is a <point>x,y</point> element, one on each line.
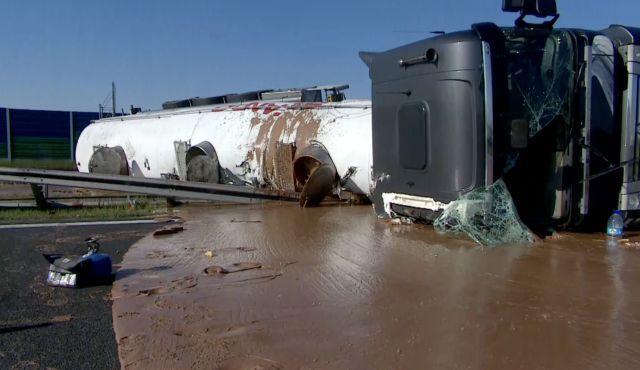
<point>106,213</point>
<point>41,164</point>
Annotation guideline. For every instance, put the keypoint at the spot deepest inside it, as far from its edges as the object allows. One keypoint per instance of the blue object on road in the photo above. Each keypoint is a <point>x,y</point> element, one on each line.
<point>92,268</point>
<point>615,225</point>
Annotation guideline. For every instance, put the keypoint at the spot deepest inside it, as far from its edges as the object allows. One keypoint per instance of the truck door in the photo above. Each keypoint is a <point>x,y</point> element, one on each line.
<point>627,46</point>
<point>600,133</point>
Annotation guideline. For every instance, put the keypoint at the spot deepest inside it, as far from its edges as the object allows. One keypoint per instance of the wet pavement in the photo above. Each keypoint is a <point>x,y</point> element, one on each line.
<point>335,287</point>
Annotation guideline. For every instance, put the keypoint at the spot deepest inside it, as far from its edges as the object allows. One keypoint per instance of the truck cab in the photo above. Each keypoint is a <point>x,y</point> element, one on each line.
<point>551,112</point>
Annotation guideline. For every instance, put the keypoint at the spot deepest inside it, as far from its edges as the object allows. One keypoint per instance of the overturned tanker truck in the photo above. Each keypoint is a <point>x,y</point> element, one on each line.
<point>550,113</point>
<point>310,140</point>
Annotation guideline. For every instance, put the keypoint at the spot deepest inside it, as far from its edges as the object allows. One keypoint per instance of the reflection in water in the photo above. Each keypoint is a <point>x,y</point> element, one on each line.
<point>614,260</point>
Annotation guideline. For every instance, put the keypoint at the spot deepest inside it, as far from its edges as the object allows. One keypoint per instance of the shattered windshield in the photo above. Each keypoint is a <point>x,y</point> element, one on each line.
<point>539,77</point>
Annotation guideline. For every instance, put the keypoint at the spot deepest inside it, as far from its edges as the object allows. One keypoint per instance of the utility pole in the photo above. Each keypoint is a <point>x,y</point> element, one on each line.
<point>113,98</point>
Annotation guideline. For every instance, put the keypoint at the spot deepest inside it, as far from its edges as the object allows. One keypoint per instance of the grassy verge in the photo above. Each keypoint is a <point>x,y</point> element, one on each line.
<point>105,213</point>
<point>52,164</point>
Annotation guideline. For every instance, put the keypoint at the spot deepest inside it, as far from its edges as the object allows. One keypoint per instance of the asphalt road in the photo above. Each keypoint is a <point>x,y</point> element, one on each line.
<point>45,327</point>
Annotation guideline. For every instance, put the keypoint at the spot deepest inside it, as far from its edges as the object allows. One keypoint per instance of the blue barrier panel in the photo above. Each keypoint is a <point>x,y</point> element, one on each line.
<point>80,121</point>
<point>3,133</point>
<point>38,134</point>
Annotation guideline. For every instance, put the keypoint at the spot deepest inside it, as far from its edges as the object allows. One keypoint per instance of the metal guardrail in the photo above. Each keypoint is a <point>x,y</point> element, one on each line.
<point>159,187</point>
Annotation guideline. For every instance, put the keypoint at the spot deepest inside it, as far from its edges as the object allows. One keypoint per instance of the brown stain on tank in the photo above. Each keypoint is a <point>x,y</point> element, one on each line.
<point>275,135</point>
<point>263,123</point>
<point>301,124</point>
<point>307,130</point>
<point>255,121</point>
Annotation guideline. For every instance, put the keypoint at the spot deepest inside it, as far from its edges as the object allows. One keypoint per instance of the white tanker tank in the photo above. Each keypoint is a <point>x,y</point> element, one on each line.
<point>311,147</point>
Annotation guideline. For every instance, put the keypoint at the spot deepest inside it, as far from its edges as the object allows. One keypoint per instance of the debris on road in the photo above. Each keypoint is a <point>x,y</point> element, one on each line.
<point>215,270</point>
<point>236,267</point>
<point>233,220</point>
<point>246,249</point>
<point>62,318</point>
<point>92,268</point>
<point>167,230</point>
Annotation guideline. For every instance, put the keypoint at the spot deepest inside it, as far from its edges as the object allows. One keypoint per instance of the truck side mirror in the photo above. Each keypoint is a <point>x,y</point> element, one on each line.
<point>536,8</point>
<point>519,132</point>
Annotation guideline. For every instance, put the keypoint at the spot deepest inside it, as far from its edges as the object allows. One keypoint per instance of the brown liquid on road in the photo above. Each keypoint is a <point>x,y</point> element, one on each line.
<point>335,288</point>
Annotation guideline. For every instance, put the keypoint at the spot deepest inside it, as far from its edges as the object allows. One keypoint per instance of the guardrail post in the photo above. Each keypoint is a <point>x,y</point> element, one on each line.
<point>40,195</point>
<point>72,154</point>
<point>8,134</point>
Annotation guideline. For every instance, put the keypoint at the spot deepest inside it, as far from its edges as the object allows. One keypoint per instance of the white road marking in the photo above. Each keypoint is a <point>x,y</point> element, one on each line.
<point>89,223</point>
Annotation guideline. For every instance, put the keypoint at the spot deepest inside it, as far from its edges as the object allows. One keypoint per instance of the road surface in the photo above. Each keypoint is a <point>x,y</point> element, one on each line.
<point>43,327</point>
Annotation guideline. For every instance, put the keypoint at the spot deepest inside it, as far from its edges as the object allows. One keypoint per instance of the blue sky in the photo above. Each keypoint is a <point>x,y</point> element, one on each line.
<point>64,54</point>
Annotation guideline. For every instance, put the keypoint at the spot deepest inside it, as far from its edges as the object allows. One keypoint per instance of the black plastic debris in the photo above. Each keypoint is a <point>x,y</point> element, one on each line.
<point>92,268</point>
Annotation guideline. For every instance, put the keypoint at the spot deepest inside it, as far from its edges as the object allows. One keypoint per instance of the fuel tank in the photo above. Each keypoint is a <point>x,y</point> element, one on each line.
<point>254,143</point>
